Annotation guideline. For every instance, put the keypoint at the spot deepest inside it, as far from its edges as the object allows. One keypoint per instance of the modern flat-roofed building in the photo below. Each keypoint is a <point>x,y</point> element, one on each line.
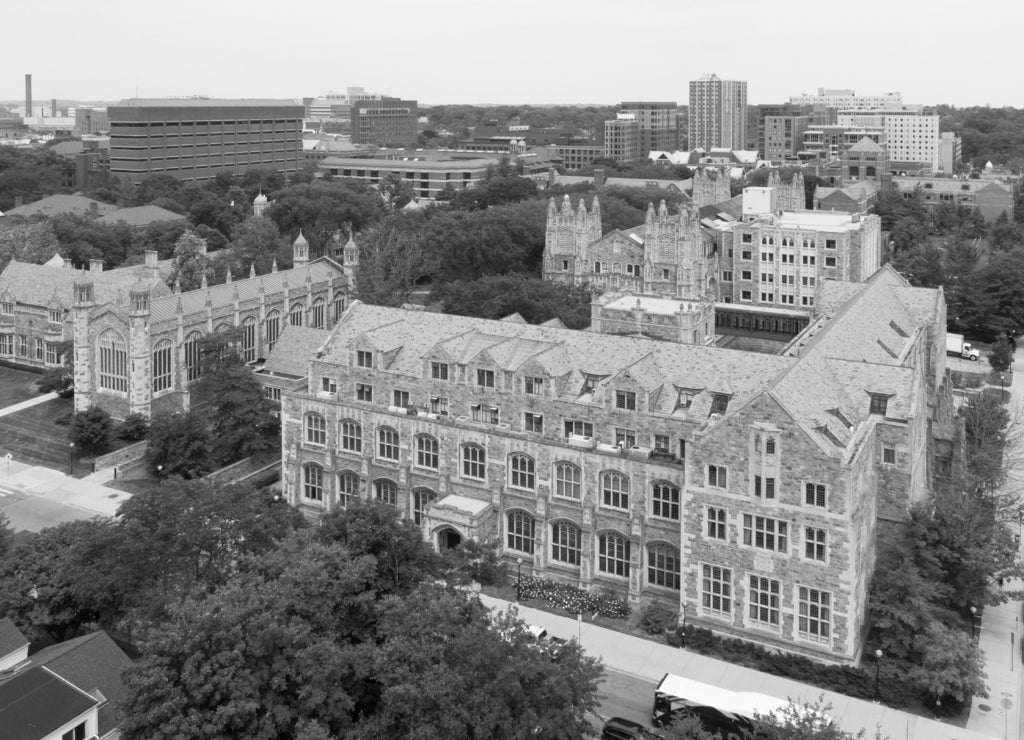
<point>384,122</point>
<point>622,138</point>
<point>195,139</point>
<point>847,99</point>
<point>718,113</point>
<point>428,176</point>
<point>911,135</point>
<point>658,125</point>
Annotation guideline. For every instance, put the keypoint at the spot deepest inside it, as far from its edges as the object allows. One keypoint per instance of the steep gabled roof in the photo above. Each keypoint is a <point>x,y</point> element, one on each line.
<point>293,349</point>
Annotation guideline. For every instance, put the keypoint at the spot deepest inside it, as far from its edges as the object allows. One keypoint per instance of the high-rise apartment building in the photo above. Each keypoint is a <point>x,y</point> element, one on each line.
<point>194,139</point>
<point>718,113</point>
<point>622,138</point>
<point>384,122</point>
<point>911,134</point>
<point>658,125</point>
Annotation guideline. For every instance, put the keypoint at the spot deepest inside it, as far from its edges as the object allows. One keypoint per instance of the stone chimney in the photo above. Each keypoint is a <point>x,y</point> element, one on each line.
<point>67,264</point>
<point>95,265</point>
<point>599,177</point>
<point>151,258</point>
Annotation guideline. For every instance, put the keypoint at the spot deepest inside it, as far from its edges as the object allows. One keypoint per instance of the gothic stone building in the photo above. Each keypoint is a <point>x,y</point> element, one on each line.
<point>142,357</point>
<point>744,488</point>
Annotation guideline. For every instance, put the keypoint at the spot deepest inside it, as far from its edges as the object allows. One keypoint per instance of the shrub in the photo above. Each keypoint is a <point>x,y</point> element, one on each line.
<point>64,420</point>
<point>92,430</point>
<point>574,600</point>
<point>56,379</point>
<point>135,427</point>
<point>655,618</point>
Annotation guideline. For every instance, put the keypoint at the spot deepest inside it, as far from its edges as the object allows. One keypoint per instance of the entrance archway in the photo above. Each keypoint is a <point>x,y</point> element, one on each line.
<point>448,539</point>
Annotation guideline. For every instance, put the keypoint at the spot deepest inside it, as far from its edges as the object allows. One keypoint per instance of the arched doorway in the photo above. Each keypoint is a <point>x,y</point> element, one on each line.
<point>448,539</point>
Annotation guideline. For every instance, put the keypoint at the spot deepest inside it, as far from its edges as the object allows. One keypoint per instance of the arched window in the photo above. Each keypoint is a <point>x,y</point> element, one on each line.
<point>312,482</point>
<point>113,362</point>
<point>386,490</point>
<point>567,480</point>
<point>162,365</point>
<point>615,490</point>
<point>387,443</point>
<point>421,498</point>
<point>663,566</point>
<point>665,500</point>
<point>295,315</point>
<point>351,436</point>
<point>192,367</point>
<point>565,543</point>
<point>316,429</point>
<point>474,461</point>
<point>520,531</point>
<point>348,488</point>
<point>272,328</point>
<point>339,306</point>
<point>426,451</point>
<point>521,472</point>
<point>249,339</point>
<point>316,314</point>
<point>613,554</point>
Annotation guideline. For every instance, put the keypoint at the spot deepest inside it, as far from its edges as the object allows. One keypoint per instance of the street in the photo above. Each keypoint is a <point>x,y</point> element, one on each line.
<point>625,695</point>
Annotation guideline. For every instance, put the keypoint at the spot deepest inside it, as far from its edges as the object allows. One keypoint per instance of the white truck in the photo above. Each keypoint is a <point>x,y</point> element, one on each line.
<point>955,345</point>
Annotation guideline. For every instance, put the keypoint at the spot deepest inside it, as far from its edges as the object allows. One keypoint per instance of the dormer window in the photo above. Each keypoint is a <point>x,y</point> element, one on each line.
<point>879,403</point>
<point>839,415</point>
<point>625,400</point>
<point>439,370</point>
<point>589,382</point>
<point>7,308</point>
<point>533,386</point>
<point>56,316</point>
<point>719,403</point>
<point>685,398</point>
<point>364,358</point>
<point>485,378</point>
<point>329,385</point>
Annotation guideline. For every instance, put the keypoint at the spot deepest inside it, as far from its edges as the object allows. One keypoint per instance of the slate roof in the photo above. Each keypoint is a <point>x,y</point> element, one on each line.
<point>11,638</point>
<point>91,662</point>
<point>43,285</point>
<point>35,703</point>
<point>53,205</point>
<point>293,349</point>
<point>733,208</point>
<point>140,216</point>
<point>866,145</point>
<point>942,185</point>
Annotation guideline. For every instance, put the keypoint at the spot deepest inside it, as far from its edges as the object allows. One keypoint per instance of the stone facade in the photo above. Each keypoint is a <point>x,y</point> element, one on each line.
<point>744,488</point>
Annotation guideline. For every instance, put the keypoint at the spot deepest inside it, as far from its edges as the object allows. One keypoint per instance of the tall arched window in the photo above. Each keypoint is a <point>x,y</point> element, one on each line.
<point>295,315</point>
<point>565,543</point>
<point>386,490</point>
<point>351,436</point>
<point>663,566</point>
<point>192,353</point>
<point>567,480</point>
<point>474,461</point>
<point>272,326</point>
<point>316,429</point>
<point>162,365</point>
<point>613,554</point>
<point>249,339</point>
<point>312,482</point>
<point>339,306</point>
<point>387,443</point>
<point>521,472</point>
<point>520,531</point>
<point>615,490</point>
<point>316,314</point>
<point>113,362</point>
<point>426,451</point>
<point>348,488</point>
<point>421,498</point>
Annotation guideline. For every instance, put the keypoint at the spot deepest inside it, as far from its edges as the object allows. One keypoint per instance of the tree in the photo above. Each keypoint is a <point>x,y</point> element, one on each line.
<point>951,665</point>
<point>257,242</point>
<point>83,238</point>
<point>536,300</point>
<point>395,191</point>
<point>1000,356</point>
<point>242,417</point>
<point>190,262</point>
<point>160,237</point>
<point>392,261</point>
<point>179,444</point>
<point>35,243</point>
<point>92,430</point>
<point>908,233</point>
<point>6,535</point>
<point>804,722</point>
<point>322,209</point>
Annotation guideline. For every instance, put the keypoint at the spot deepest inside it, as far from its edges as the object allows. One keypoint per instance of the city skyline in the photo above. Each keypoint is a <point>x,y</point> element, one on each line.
<point>564,53</point>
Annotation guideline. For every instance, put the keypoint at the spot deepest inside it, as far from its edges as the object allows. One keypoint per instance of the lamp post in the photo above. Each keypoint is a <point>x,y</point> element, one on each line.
<point>71,458</point>
<point>519,579</point>
<point>974,611</point>
<point>159,475</point>
<point>878,665</point>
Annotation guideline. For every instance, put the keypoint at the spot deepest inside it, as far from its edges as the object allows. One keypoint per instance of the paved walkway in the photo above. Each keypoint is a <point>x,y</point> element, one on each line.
<point>999,640</point>
<point>34,497</point>
<point>651,660</point>
<point>16,407</point>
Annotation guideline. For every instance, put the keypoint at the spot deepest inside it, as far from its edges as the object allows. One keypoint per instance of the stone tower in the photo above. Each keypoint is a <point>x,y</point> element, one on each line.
<point>710,186</point>
<point>140,388</point>
<point>790,195</point>
<point>568,235</point>
<point>84,302</point>
<point>300,251</point>
<point>677,260</point>
<point>350,262</point>
<point>260,204</point>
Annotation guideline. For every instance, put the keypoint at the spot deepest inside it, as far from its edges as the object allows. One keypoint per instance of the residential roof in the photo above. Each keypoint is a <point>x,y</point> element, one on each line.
<point>11,638</point>
<point>293,349</point>
<point>140,216</point>
<point>36,702</point>
<point>945,185</point>
<point>52,286</point>
<point>53,205</point>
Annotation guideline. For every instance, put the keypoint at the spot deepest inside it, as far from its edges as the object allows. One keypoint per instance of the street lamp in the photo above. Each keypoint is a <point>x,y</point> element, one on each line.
<point>519,579</point>
<point>71,459</point>
<point>878,665</point>
<point>974,610</point>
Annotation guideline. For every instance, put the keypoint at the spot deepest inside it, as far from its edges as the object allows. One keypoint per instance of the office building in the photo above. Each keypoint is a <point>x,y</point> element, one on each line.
<point>622,138</point>
<point>429,174</point>
<point>950,153</point>
<point>658,123</point>
<point>384,122</point>
<point>848,99</point>
<point>744,489</point>
<point>718,113</point>
<point>195,139</point>
<point>911,135</point>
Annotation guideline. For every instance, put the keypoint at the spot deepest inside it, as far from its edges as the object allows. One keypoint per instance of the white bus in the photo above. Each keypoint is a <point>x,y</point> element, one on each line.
<point>730,713</point>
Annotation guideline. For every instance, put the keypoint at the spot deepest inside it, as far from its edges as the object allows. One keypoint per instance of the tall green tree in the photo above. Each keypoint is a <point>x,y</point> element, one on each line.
<point>392,261</point>
<point>179,444</point>
<point>536,300</point>
<point>91,430</point>
<point>35,243</point>
<point>257,242</point>
<point>190,262</point>
<point>1000,357</point>
<point>321,209</point>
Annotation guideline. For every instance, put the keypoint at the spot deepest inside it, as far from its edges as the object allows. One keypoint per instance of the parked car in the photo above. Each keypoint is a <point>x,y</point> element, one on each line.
<point>620,728</point>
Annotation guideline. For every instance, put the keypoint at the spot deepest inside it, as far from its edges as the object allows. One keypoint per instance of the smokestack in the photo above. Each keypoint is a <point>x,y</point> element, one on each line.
<point>28,95</point>
<point>53,107</point>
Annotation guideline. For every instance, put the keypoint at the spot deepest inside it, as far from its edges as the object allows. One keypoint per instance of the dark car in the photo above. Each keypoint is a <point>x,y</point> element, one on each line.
<point>619,728</point>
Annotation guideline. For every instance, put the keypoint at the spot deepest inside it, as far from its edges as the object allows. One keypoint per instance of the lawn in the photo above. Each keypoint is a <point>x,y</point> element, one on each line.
<point>17,386</point>
<point>32,435</point>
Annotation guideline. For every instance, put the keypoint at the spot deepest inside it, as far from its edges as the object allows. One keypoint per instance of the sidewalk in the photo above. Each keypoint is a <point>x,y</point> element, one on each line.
<point>999,714</point>
<point>651,660</point>
<point>34,497</point>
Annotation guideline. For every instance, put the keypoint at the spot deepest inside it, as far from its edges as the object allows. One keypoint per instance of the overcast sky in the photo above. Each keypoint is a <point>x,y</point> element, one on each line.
<point>519,51</point>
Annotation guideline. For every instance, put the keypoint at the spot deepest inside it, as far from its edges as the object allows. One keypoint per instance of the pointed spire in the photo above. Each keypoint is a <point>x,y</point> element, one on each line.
<point>273,267</point>
<point>566,205</point>
<point>252,270</point>
<point>552,208</point>
<point>227,275</point>
<point>650,212</point>
<point>662,210</point>
<point>177,285</point>
<point>203,284</point>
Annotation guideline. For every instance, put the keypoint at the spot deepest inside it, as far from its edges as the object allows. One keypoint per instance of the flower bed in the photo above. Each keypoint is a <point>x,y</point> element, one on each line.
<point>573,600</point>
